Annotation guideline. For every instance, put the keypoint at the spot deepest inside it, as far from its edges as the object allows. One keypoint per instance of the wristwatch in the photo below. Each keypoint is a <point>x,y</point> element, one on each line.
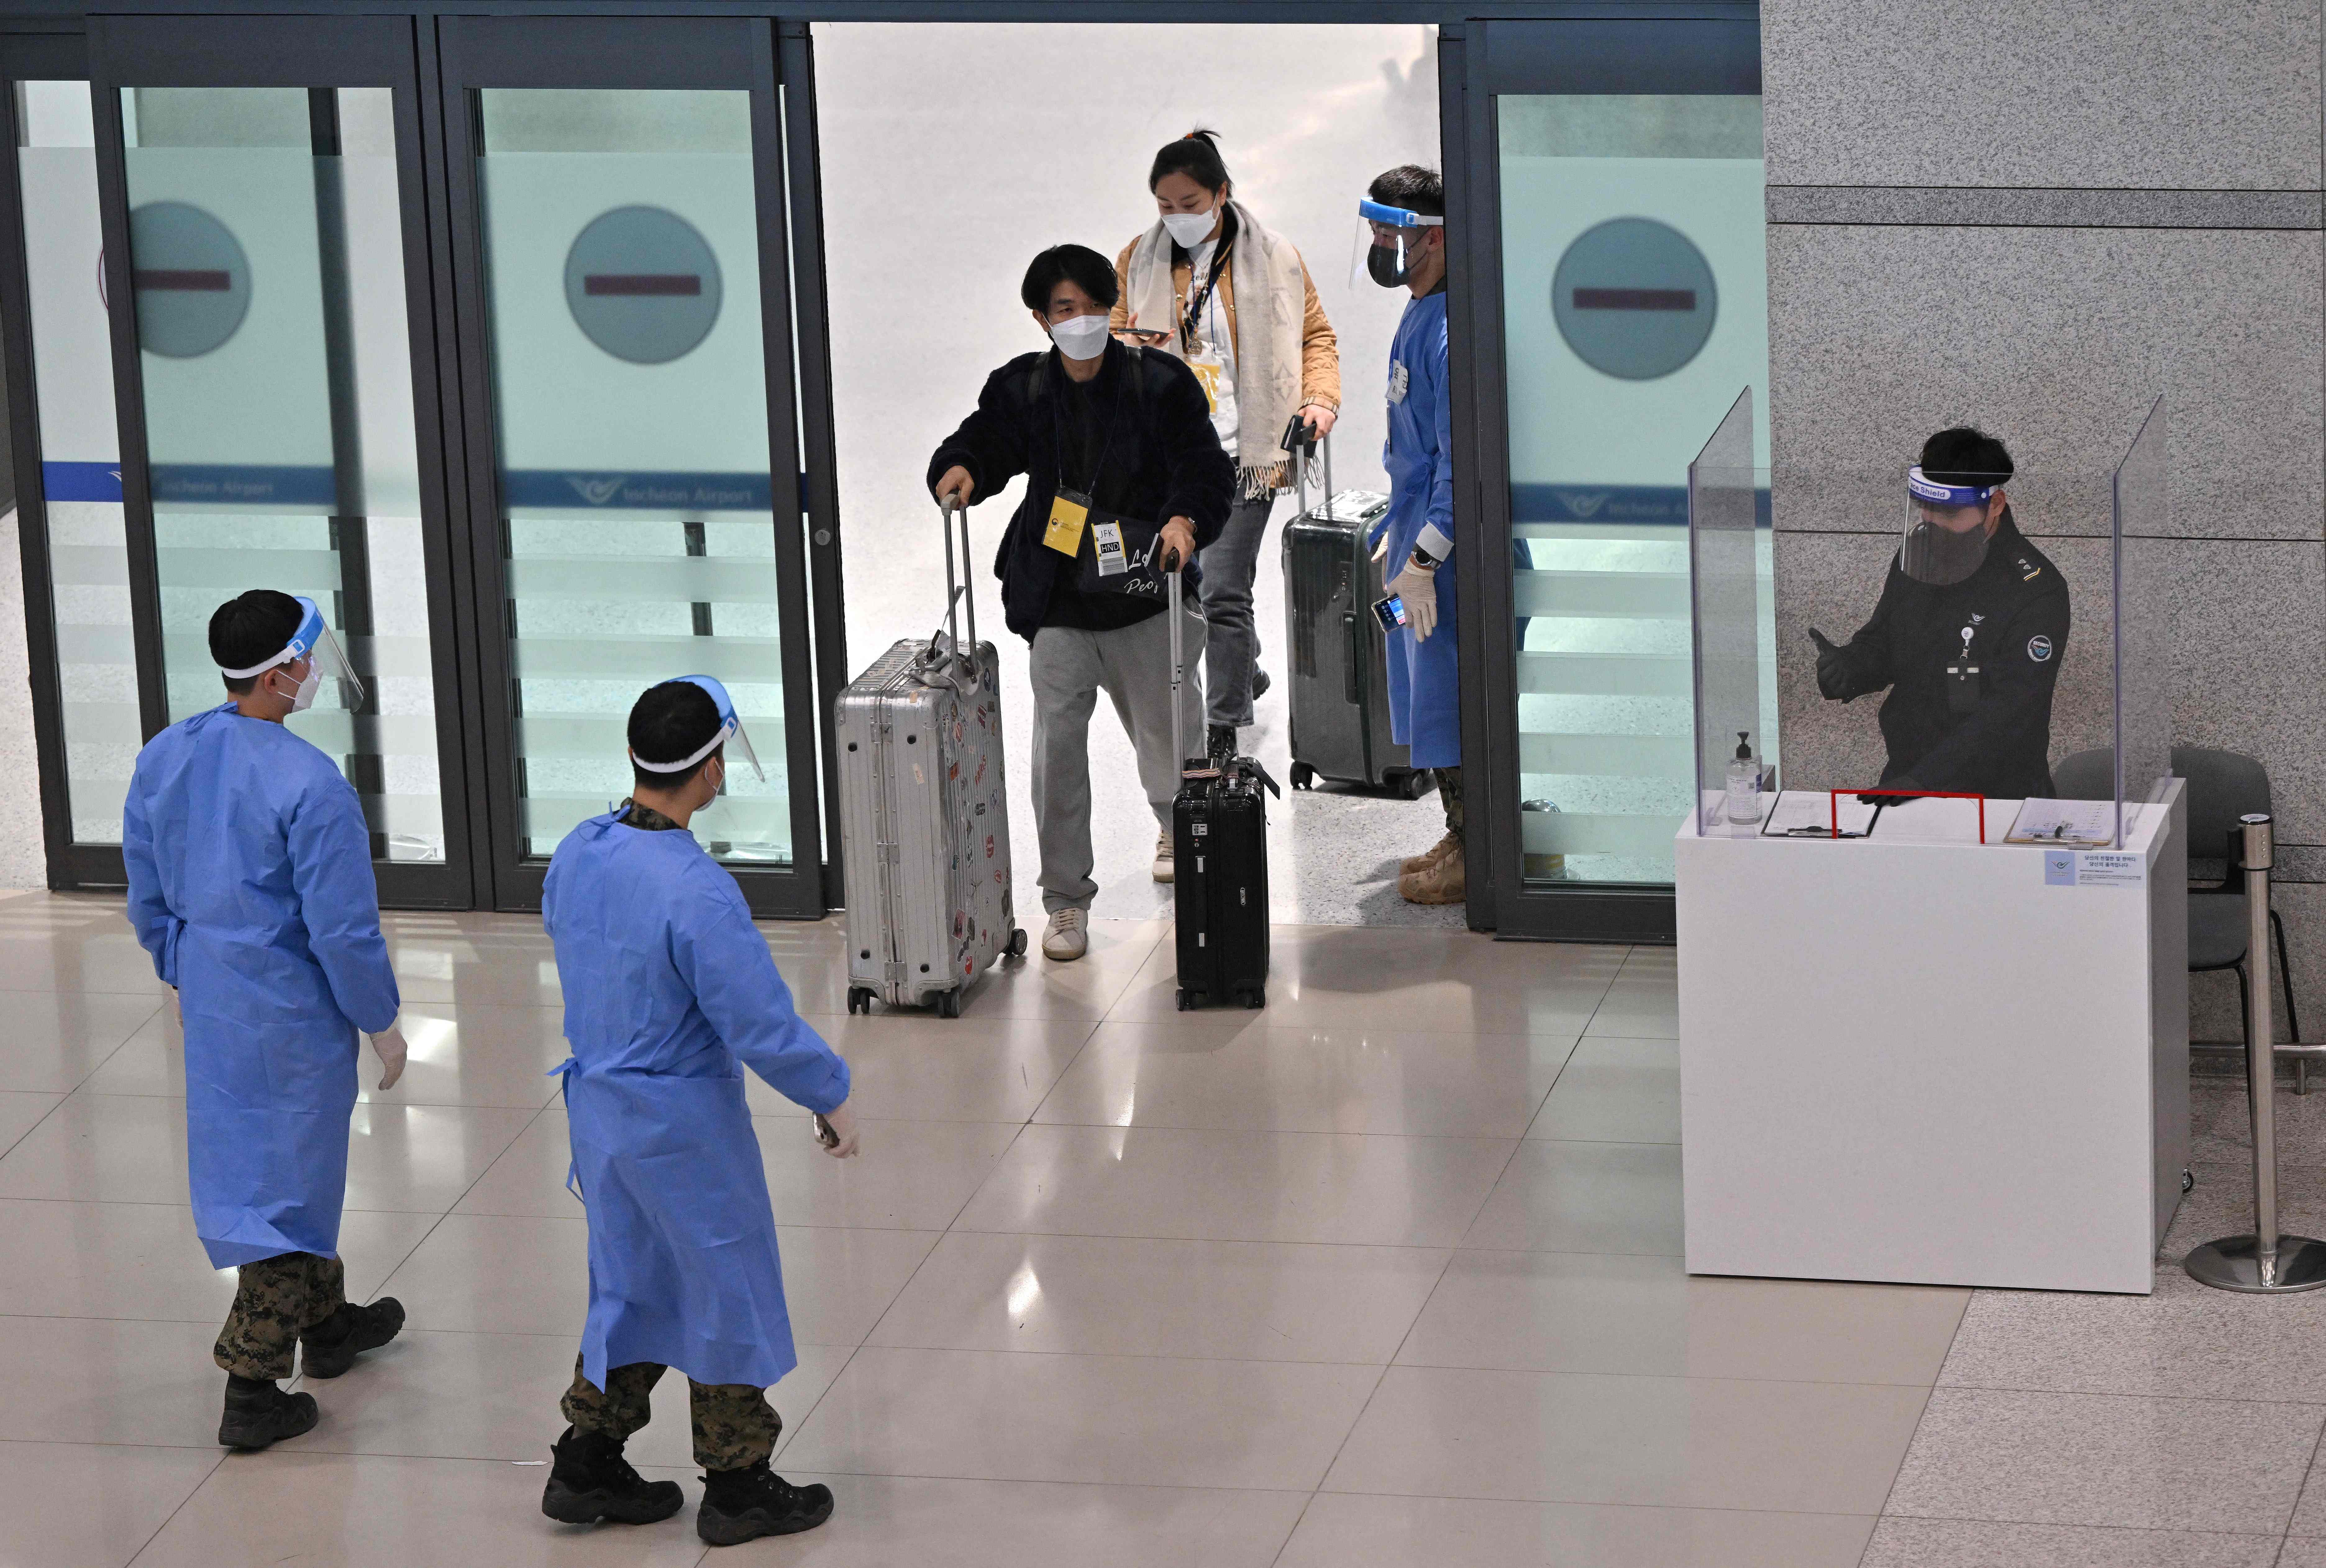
<point>1424,559</point>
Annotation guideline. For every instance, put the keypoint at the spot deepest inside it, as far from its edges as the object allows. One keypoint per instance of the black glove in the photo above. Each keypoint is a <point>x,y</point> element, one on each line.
<point>1831,672</point>
<point>1902,781</point>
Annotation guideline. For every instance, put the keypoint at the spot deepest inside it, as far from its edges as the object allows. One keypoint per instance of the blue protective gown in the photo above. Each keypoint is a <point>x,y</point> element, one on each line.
<point>669,991</point>
<point>250,883</point>
<point>1424,708</point>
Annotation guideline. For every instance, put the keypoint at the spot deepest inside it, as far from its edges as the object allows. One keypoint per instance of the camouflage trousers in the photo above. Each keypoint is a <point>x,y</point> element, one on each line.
<point>1450,795</point>
<point>734,1424</point>
<point>275,1299</point>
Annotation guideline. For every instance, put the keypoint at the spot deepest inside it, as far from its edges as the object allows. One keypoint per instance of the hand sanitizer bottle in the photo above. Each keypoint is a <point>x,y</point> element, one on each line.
<point>1743,783</point>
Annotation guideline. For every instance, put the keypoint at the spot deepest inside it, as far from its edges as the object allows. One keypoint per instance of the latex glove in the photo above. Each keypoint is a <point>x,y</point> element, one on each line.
<point>956,485</point>
<point>1830,674</point>
<point>1176,544</point>
<point>1381,546</point>
<point>1320,419</point>
<point>1419,589</point>
<point>177,1010</point>
<point>389,1047</point>
<point>843,1121</point>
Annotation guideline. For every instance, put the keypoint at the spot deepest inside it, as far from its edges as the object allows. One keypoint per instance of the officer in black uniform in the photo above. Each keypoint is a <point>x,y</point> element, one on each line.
<point>1968,637</point>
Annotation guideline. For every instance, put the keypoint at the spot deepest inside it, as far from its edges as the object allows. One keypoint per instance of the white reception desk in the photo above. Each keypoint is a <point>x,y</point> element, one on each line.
<point>1934,1062</point>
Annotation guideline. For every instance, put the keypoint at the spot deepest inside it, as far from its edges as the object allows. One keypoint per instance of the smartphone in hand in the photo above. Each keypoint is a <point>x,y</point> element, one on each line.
<point>1390,612</point>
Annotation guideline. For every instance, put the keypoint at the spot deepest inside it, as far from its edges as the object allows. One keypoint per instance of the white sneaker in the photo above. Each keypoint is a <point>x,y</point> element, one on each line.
<point>1066,938</point>
<point>1166,859</point>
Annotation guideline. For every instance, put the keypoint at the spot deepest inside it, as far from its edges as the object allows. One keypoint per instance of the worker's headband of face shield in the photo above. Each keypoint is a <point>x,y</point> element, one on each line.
<point>313,641</point>
<point>1946,529</point>
<point>1389,241</point>
<point>730,727</point>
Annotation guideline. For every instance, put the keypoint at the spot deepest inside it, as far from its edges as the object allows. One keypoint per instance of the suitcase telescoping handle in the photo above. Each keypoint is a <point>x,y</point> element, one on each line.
<point>1302,442</point>
<point>1171,611</point>
<point>955,665</point>
<point>947,511</point>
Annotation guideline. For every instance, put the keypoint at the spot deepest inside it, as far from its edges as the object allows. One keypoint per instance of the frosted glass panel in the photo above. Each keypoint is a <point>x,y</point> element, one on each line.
<point>267,256</point>
<point>1636,305</point>
<point>629,397</point>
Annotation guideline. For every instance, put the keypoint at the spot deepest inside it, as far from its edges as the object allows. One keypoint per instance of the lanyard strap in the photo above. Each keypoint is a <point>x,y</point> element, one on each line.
<point>1113,419</point>
<point>1198,298</point>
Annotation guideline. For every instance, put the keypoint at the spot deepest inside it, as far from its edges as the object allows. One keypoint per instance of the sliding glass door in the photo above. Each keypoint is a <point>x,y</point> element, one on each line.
<point>264,260</point>
<point>1620,302</point>
<point>634,510</point>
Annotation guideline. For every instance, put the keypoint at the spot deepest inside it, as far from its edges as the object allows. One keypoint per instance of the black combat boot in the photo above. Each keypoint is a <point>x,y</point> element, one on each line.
<point>259,1414</point>
<point>741,1505</point>
<point>590,1481</point>
<point>331,1346</point>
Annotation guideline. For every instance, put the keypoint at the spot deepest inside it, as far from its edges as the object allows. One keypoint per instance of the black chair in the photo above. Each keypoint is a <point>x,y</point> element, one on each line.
<point>2222,786</point>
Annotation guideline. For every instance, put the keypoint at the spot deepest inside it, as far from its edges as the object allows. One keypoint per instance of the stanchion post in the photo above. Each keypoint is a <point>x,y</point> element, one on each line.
<point>2266,1262</point>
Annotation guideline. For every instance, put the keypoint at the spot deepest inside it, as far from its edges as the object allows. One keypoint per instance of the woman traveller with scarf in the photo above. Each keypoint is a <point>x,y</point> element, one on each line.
<point>1212,287</point>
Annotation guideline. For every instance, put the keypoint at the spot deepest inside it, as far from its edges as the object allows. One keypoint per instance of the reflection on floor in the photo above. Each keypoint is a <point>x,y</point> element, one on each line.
<point>1386,1275</point>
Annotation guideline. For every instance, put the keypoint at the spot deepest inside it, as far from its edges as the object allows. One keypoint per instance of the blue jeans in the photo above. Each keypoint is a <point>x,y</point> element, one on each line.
<point>1232,651</point>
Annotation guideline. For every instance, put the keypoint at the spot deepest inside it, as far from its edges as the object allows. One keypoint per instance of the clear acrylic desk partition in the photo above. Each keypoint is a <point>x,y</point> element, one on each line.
<point>1733,622</point>
<point>2101,523</point>
<point>2141,527</point>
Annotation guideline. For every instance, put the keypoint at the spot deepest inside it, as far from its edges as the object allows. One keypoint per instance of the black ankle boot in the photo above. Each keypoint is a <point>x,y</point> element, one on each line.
<point>331,1346</point>
<point>590,1481</point>
<point>1223,741</point>
<point>259,1414</point>
<point>741,1505</point>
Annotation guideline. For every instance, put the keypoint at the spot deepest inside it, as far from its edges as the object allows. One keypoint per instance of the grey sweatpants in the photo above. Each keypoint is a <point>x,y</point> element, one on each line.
<point>1132,665</point>
<point>1231,562</point>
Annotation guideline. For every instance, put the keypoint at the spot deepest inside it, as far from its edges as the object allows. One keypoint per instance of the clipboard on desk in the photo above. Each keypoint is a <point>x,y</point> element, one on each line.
<point>1817,814</point>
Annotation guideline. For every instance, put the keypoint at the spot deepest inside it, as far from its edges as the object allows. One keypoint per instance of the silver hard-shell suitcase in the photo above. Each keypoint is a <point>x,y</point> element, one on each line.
<point>923,818</point>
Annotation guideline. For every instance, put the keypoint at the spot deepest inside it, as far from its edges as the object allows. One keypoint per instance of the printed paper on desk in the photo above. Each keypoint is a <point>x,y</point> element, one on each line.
<point>1928,820</point>
<point>2081,824</point>
<point>1797,808</point>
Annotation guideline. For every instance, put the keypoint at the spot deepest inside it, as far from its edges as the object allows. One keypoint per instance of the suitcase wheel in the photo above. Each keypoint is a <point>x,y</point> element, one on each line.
<point>859,999</point>
<point>1255,999</point>
<point>1304,777</point>
<point>1408,784</point>
<point>1017,945</point>
<point>948,1004</point>
<point>1188,999</point>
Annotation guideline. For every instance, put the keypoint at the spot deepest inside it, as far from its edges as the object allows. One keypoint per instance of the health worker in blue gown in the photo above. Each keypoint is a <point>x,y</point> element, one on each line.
<point>670,993</point>
<point>1401,245</point>
<point>250,882</point>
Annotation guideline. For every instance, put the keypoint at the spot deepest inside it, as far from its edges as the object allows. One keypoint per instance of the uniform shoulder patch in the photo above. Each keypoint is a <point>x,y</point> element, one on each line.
<point>2038,649</point>
<point>2028,571</point>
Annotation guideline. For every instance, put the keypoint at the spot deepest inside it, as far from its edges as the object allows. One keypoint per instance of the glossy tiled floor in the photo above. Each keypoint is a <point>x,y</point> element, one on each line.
<point>1386,1275</point>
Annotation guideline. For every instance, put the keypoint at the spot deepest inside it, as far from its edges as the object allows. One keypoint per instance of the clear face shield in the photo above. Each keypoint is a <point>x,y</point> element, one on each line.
<point>730,727</point>
<point>1946,530</point>
<point>326,660</point>
<point>1390,241</point>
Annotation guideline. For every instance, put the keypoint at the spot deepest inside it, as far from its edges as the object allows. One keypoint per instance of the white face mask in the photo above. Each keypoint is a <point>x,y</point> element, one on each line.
<point>1080,337</point>
<point>1190,230</point>
<point>304,698</point>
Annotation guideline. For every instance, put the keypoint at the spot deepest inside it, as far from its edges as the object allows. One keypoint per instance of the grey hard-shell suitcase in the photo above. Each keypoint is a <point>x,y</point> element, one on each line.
<point>923,818</point>
<point>1340,674</point>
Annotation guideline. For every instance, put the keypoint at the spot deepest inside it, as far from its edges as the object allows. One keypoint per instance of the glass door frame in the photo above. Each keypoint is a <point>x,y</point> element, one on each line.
<point>286,51</point>
<point>39,57</point>
<point>607,52</point>
<point>1712,47</point>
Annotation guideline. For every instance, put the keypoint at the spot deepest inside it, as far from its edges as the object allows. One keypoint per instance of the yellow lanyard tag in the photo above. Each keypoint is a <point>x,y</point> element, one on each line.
<point>1067,516</point>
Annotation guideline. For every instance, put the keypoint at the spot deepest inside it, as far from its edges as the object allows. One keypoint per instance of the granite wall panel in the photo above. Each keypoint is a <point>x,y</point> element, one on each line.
<point>2161,94</point>
<point>2057,341</point>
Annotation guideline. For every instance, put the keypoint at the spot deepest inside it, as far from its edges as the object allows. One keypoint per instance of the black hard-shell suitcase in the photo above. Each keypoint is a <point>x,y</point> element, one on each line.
<point>1339,694</point>
<point>1219,837</point>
